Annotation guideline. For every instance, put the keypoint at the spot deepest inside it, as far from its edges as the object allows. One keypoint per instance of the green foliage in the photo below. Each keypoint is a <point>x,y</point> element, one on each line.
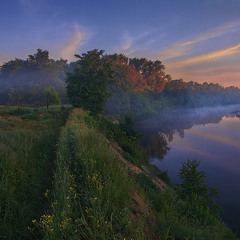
<point>27,154</point>
<point>52,95</point>
<point>91,198</point>
<point>181,220</point>
<point>132,149</point>
<point>24,81</point>
<point>84,190</point>
<point>145,182</point>
<point>127,125</point>
<point>140,85</point>
<point>88,86</point>
<point>194,186</point>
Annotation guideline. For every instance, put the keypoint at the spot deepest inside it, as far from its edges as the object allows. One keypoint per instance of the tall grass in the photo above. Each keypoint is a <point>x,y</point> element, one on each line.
<point>93,193</point>
<point>92,196</point>
<point>82,188</point>
<point>27,152</point>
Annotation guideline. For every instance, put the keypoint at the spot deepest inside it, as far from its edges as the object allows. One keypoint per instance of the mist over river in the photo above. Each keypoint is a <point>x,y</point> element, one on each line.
<point>212,135</point>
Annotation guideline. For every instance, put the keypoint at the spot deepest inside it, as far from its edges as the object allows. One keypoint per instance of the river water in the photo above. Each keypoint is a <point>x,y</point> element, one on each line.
<point>212,135</point>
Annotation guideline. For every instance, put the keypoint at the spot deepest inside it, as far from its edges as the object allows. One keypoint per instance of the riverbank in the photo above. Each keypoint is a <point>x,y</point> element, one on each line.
<point>103,188</point>
<point>114,194</point>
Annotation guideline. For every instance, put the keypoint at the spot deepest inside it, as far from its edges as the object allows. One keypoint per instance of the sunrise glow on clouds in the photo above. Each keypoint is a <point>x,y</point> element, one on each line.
<point>196,41</point>
<point>73,43</point>
<point>181,48</point>
<point>220,65</point>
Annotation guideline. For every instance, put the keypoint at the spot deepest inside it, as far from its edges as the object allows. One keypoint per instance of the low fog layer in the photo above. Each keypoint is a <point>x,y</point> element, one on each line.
<point>176,119</point>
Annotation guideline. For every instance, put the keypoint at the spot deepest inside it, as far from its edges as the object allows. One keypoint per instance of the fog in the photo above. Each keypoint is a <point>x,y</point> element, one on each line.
<point>159,131</point>
<point>180,119</point>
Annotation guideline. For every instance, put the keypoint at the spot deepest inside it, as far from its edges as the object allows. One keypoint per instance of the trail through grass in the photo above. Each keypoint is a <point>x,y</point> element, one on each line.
<point>27,151</point>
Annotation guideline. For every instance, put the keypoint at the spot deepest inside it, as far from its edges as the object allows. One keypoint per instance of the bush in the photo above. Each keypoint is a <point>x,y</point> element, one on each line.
<point>52,96</point>
<point>194,186</point>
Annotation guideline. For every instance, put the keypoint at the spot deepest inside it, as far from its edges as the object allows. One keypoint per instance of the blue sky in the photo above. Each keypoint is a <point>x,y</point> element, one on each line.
<point>195,40</point>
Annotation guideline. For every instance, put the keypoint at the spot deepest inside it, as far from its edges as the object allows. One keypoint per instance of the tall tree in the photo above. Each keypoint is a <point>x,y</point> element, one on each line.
<point>88,86</point>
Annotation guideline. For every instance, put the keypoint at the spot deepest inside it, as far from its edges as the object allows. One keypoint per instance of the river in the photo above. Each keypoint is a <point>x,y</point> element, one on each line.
<point>212,135</point>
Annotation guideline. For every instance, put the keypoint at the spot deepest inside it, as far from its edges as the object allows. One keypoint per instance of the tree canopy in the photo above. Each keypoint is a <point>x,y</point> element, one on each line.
<point>30,77</point>
<point>87,86</point>
<point>140,85</point>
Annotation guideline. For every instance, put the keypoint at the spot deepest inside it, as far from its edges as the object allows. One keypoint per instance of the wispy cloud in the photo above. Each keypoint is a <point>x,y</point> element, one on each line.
<point>206,57</point>
<point>76,39</point>
<point>181,48</point>
<point>134,44</point>
<point>127,47</point>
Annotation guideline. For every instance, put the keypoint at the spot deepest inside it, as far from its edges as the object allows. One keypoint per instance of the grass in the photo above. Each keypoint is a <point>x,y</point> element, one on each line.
<point>96,197</point>
<point>82,188</point>
<point>27,151</point>
<point>91,198</point>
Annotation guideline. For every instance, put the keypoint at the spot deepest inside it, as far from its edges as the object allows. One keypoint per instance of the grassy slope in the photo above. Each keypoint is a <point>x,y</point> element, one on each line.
<point>91,196</point>
<point>98,194</point>
<point>96,186</point>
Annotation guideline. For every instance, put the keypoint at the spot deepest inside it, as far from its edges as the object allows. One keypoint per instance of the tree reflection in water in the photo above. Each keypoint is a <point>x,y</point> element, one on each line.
<point>159,131</point>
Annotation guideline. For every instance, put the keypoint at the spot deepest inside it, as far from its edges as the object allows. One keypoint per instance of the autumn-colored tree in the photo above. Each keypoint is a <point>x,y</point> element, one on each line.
<point>135,78</point>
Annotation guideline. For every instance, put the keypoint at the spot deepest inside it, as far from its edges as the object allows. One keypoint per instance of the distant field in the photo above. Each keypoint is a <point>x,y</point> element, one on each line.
<point>28,139</point>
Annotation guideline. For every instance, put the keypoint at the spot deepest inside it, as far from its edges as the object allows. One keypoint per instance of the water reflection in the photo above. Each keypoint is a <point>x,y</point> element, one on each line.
<point>156,144</point>
<point>160,131</point>
<point>212,135</point>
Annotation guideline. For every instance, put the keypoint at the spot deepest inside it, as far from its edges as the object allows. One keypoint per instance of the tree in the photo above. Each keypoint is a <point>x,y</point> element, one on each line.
<point>127,124</point>
<point>194,186</point>
<point>52,96</point>
<point>88,86</point>
<point>136,78</point>
<point>32,76</point>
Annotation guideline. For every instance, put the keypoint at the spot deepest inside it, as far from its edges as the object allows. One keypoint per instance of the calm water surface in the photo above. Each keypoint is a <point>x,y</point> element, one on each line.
<point>212,135</point>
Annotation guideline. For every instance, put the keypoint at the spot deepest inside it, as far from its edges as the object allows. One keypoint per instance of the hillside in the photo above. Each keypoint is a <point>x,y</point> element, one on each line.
<point>101,187</point>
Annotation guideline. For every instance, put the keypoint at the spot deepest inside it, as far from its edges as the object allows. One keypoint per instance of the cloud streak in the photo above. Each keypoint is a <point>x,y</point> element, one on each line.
<point>206,57</point>
<point>134,44</point>
<point>75,40</point>
<point>181,48</point>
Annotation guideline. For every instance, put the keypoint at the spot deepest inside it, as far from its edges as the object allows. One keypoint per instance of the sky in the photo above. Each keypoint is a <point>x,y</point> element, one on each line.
<point>195,40</point>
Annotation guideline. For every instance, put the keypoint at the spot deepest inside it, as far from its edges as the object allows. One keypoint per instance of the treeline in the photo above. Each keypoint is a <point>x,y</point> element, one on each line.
<point>24,81</point>
<point>141,85</point>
